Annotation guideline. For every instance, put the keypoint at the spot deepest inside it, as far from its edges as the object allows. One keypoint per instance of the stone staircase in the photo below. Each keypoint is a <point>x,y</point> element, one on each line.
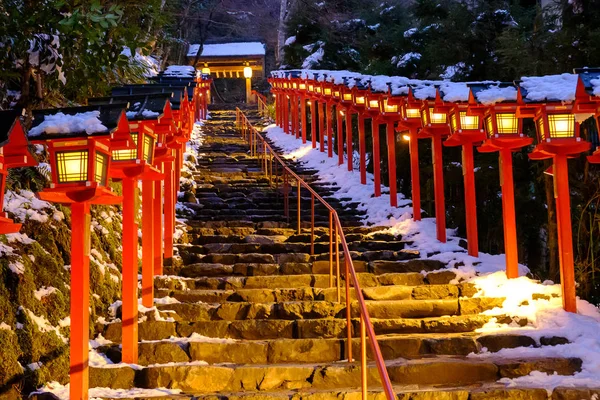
<point>247,312</point>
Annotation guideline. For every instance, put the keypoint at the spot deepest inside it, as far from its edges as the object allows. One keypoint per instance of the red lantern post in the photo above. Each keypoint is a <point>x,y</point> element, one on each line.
<point>434,117</point>
<point>504,134</point>
<point>558,139</point>
<point>466,131</point>
<point>80,162</point>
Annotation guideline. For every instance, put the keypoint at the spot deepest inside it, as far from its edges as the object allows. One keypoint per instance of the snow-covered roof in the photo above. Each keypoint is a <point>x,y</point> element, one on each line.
<point>229,49</point>
<point>75,121</point>
<point>180,71</point>
<point>549,88</point>
<point>141,106</point>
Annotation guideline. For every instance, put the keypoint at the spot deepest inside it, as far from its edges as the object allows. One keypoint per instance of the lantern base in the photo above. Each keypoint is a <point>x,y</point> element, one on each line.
<point>497,144</point>
<point>565,147</point>
<point>8,225</point>
<point>429,132</point>
<point>141,170</point>
<point>594,158</point>
<point>464,138</point>
<point>92,195</point>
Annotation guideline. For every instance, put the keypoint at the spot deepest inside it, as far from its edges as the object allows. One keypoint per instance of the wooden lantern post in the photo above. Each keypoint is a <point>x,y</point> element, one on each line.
<point>346,108</point>
<point>504,134</point>
<point>14,153</point>
<point>80,162</point>
<point>410,120</point>
<point>330,101</point>
<point>434,118</point>
<point>339,115</point>
<point>558,139</point>
<point>359,105</point>
<point>466,132</point>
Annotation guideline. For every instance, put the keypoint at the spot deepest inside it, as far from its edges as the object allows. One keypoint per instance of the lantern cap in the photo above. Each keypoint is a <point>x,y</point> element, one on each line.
<point>590,78</point>
<point>141,107</point>
<point>176,89</point>
<point>76,122</point>
<point>13,140</point>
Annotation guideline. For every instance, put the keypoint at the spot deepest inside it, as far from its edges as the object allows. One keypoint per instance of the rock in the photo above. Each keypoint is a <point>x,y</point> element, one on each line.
<point>205,269</point>
<point>294,268</point>
<point>161,353</point>
<point>231,311</point>
<point>564,393</point>
<point>324,328</point>
<point>214,329</point>
<point>322,267</point>
<point>256,258</point>
<point>510,394</point>
<point>305,309</point>
<point>261,329</point>
<point>193,378</point>
<point>221,258</point>
<point>190,311</point>
<point>440,277</point>
<point>440,394</point>
<point>477,305</point>
<point>189,197</point>
<point>303,350</point>
<point>396,325</point>
<point>553,340</point>
<point>495,343</point>
<point>393,348</point>
<point>443,372</point>
<point>560,366</point>
<point>435,292</point>
<point>455,324</point>
<point>383,267</point>
<point>451,345</point>
<point>410,308</point>
<point>388,293</point>
<point>112,378</point>
<point>293,258</point>
<point>408,279</point>
<point>467,289</point>
<point>343,375</point>
<point>253,352</point>
<point>271,378</point>
<point>253,295</point>
<point>262,239</point>
<point>254,269</point>
<point>148,330</point>
<point>379,255</point>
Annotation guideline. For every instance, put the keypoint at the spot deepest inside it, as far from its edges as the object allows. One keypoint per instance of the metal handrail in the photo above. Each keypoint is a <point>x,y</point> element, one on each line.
<point>261,99</point>
<point>336,233</point>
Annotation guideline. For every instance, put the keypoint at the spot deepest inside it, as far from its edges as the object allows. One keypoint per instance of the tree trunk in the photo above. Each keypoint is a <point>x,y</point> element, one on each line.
<point>279,51</point>
<point>552,231</point>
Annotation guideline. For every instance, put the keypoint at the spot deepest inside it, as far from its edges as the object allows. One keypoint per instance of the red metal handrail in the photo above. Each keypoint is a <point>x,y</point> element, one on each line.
<point>265,158</point>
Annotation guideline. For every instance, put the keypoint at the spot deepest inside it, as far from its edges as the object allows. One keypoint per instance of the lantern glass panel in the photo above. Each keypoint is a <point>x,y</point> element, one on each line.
<point>453,122</point>
<point>336,94</point>
<point>561,125</point>
<point>311,88</point>
<point>295,85</point>
<point>318,89</point>
<point>468,122</point>
<point>541,128</point>
<point>72,166</point>
<point>389,108</point>
<point>148,148</point>
<point>129,154</point>
<point>373,103</point>
<point>412,113</point>
<point>437,118</point>
<point>303,86</point>
<point>489,126</point>
<point>327,91</point>
<point>347,96</point>
<point>360,100</point>
<point>507,124</point>
<point>101,168</point>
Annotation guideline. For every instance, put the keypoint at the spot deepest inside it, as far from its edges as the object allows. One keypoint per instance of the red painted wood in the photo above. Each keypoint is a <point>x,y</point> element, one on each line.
<point>565,238</point>
<point>304,122</point>
<point>415,174</point>
<point>169,210</point>
<point>80,302</point>
<point>158,228</point>
<point>391,145</point>
<point>438,187</point>
<point>148,258</point>
<point>470,202</point>
<point>329,130</point>
<point>129,308</point>
<point>313,123</point>
<point>376,158</point>
<point>321,127</point>
<point>508,213</point>
<point>362,146</point>
<point>349,151</point>
<point>340,135</point>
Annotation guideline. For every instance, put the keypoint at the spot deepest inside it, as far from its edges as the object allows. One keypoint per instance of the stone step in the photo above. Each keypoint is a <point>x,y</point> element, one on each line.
<point>285,351</point>
<point>295,310</point>
<point>303,328</point>
<point>392,292</point>
<point>446,371</point>
<point>365,279</point>
<point>476,392</point>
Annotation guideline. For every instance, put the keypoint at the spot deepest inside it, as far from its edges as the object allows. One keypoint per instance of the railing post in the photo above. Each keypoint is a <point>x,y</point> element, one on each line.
<point>299,227</point>
<point>363,357</point>
<point>312,225</point>
<point>337,263</point>
<point>348,308</point>
<point>330,249</point>
<point>265,159</point>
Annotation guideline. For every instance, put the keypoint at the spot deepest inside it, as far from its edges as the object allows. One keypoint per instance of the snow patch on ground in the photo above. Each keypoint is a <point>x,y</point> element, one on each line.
<point>62,392</point>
